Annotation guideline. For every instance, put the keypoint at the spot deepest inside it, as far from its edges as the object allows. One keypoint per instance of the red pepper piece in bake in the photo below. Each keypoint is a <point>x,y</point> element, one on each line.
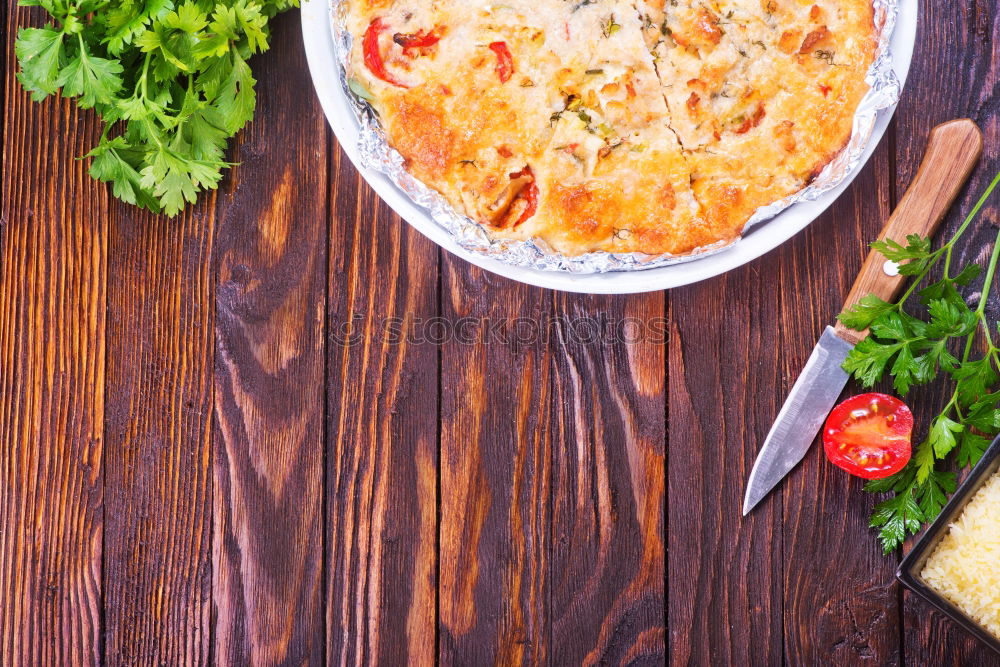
<point>373,54</point>
<point>529,194</point>
<point>505,61</point>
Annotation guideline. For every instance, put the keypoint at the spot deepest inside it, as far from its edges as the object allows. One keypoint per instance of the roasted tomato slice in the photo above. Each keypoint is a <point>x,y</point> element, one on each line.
<point>869,435</point>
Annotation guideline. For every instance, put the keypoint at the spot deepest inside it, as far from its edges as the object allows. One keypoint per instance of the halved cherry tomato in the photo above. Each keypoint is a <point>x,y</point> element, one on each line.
<point>869,435</point>
<point>417,40</point>
<point>529,194</point>
<point>505,61</point>
<point>373,53</point>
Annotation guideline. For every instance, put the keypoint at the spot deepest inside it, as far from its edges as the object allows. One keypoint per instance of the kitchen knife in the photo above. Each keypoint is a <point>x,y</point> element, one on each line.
<point>953,149</point>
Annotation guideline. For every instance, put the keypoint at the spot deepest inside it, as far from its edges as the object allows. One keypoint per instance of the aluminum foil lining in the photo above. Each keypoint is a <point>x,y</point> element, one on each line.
<point>376,154</point>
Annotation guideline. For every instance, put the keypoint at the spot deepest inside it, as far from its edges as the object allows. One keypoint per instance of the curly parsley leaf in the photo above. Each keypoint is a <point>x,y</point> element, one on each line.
<point>912,258</point>
<point>950,318</point>
<point>943,436</point>
<point>169,79</point>
<point>933,493</point>
<point>974,378</point>
<point>113,162</point>
<point>971,449</point>
<point>896,518</point>
<point>860,316</point>
<point>867,361</point>
<point>898,482</point>
<point>968,274</point>
<point>93,79</point>
<point>40,52</point>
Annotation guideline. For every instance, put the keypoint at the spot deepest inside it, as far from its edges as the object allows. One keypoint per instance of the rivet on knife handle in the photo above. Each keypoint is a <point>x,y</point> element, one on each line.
<point>953,149</point>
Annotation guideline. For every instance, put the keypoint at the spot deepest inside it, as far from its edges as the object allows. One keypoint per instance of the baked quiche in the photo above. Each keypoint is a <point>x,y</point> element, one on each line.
<point>652,126</point>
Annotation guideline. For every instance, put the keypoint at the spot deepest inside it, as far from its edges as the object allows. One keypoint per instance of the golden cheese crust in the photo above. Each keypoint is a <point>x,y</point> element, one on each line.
<point>654,126</point>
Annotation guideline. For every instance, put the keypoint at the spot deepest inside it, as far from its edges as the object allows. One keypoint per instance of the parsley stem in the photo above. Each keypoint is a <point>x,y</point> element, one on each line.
<point>968,220</point>
<point>953,403</point>
<point>986,330</point>
<point>984,296</point>
<point>990,273</point>
<point>917,280</point>
<point>144,78</point>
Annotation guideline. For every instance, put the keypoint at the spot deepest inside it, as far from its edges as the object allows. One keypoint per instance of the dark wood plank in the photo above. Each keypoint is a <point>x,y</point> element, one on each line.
<point>158,525</point>
<point>840,596</point>
<point>53,266</point>
<point>495,474</point>
<point>608,419</point>
<point>269,367</point>
<point>725,573</point>
<point>954,74</point>
<point>382,406</point>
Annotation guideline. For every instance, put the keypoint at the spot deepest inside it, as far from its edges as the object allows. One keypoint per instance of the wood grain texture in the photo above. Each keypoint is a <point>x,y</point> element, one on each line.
<point>158,427</point>
<point>840,596</point>
<point>608,420</point>
<point>269,371</point>
<point>496,474</point>
<point>382,405</point>
<point>53,266</point>
<point>725,574</point>
<point>218,447</point>
<point>956,72</point>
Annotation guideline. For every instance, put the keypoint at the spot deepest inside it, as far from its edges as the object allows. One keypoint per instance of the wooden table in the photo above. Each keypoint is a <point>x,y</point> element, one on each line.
<point>213,450</point>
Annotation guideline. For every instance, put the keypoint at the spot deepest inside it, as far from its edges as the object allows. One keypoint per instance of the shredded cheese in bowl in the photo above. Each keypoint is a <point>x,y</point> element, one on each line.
<point>965,567</point>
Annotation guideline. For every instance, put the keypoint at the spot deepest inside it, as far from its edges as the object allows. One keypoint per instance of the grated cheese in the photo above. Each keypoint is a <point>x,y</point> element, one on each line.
<point>965,567</point>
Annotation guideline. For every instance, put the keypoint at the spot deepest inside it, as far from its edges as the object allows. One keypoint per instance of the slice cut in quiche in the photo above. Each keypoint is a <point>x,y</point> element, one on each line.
<point>653,126</point>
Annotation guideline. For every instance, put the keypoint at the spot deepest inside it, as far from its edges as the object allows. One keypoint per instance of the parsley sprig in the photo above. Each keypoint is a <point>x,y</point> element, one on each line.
<point>914,351</point>
<point>171,83</point>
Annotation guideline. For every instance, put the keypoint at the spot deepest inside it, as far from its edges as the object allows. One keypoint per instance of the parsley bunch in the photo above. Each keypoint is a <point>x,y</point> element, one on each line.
<point>171,83</point>
<point>914,350</point>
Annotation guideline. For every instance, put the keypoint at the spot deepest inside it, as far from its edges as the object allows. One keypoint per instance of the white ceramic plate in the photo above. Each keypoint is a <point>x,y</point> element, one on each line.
<point>323,67</point>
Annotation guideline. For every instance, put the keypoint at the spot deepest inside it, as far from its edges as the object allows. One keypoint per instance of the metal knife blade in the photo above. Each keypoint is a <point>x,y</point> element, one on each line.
<point>810,401</point>
<point>953,148</point>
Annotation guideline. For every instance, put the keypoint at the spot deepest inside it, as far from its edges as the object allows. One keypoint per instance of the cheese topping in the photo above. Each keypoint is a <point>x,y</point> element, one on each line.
<point>655,126</point>
<point>965,567</point>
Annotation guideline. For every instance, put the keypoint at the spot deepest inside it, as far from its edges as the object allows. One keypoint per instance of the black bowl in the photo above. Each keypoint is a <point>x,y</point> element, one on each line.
<point>911,567</point>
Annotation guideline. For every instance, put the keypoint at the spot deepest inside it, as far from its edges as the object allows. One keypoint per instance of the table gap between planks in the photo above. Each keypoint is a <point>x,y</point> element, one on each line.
<point>212,451</point>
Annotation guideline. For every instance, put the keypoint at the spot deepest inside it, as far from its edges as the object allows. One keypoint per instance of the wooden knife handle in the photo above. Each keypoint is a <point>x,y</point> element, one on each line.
<point>952,151</point>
